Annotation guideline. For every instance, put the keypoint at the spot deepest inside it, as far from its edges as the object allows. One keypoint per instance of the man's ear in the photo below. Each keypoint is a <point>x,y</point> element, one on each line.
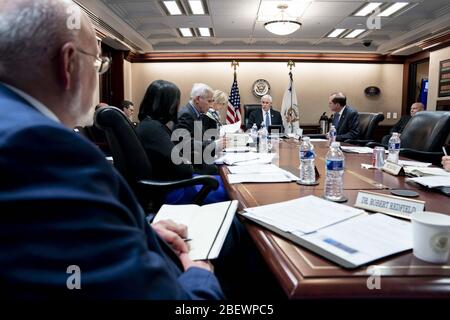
<point>67,65</point>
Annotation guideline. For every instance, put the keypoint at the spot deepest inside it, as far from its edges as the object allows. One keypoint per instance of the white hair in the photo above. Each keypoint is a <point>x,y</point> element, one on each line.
<point>266,96</point>
<point>31,32</point>
<point>200,90</point>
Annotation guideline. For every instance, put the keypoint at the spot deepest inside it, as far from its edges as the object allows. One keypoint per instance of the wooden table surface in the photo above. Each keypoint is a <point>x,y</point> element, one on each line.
<point>302,273</point>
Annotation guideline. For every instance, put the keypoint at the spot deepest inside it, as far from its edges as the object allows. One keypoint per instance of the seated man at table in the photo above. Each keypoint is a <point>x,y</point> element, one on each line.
<point>190,120</point>
<point>401,124</point>
<point>345,118</point>
<point>66,212</point>
<point>266,115</point>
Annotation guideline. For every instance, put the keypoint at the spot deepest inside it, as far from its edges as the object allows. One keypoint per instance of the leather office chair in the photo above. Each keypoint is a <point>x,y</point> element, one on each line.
<point>424,135</point>
<point>132,162</point>
<point>249,108</point>
<point>367,124</point>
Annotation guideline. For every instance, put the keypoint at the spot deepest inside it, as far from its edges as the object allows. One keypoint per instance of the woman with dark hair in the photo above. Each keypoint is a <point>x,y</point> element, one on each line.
<point>157,111</point>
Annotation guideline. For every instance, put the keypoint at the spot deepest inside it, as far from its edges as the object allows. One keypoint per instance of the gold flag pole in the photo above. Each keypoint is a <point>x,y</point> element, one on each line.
<point>234,65</point>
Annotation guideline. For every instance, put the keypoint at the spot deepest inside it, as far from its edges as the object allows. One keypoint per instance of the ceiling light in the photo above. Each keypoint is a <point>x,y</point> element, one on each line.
<point>196,6</point>
<point>336,33</point>
<point>172,7</point>
<point>281,25</point>
<point>368,9</point>
<point>204,32</point>
<point>393,9</point>
<point>355,33</point>
<point>185,32</point>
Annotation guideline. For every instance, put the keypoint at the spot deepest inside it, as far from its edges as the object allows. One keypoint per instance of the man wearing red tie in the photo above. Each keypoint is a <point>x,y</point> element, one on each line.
<point>345,119</point>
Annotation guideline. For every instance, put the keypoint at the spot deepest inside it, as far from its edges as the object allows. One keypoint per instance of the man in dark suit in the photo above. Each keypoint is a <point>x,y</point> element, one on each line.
<point>401,124</point>
<point>70,226</point>
<point>266,115</point>
<point>345,119</point>
<point>191,119</point>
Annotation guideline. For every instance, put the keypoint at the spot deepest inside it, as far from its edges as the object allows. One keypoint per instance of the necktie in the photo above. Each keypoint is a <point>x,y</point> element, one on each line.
<point>336,120</point>
<point>267,120</point>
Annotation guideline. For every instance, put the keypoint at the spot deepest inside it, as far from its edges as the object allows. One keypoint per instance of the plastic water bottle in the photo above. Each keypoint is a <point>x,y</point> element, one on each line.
<point>262,134</point>
<point>394,148</point>
<point>254,134</point>
<point>334,166</point>
<point>307,157</point>
<point>332,135</point>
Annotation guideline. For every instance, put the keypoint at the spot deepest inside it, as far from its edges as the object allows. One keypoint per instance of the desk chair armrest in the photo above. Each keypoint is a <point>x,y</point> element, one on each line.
<point>425,156</point>
<point>208,183</point>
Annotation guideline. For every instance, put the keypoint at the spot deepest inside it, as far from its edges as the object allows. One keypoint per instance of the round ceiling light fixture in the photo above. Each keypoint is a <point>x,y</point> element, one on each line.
<point>282,26</point>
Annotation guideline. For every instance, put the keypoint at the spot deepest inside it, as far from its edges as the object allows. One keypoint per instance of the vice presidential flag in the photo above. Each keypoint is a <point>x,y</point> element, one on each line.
<point>289,108</point>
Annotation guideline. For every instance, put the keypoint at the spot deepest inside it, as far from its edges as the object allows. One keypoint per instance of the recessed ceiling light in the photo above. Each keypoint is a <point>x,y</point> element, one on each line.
<point>336,33</point>
<point>393,9</point>
<point>204,32</point>
<point>355,33</point>
<point>368,8</point>
<point>172,7</point>
<point>196,7</point>
<point>185,32</point>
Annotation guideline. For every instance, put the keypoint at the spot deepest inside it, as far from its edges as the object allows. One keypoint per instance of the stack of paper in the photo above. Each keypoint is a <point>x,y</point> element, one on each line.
<point>230,128</point>
<point>345,235</point>
<point>432,181</point>
<point>413,163</point>
<point>303,215</point>
<point>358,149</point>
<point>425,171</point>
<point>266,177</point>
<point>247,158</point>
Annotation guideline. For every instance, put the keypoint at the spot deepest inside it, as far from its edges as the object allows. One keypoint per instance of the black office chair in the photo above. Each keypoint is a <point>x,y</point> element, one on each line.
<point>368,122</point>
<point>131,161</point>
<point>424,135</point>
<point>249,108</point>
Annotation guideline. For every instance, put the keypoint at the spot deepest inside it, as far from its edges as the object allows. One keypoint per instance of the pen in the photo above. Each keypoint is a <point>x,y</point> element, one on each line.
<point>445,152</point>
<point>187,239</point>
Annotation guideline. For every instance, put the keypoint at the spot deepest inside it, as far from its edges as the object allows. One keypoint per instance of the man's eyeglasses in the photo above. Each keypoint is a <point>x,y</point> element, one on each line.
<point>101,64</point>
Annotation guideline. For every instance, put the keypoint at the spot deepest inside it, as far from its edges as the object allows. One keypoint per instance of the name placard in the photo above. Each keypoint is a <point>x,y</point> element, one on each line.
<point>393,168</point>
<point>392,205</point>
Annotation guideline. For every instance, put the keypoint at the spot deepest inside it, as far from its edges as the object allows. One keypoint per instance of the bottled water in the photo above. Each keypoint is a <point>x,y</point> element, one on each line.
<point>334,167</point>
<point>254,134</point>
<point>307,156</point>
<point>332,135</point>
<point>394,148</point>
<point>262,135</point>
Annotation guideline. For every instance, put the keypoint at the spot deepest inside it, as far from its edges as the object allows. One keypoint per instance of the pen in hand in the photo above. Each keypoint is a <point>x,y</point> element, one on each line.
<point>445,152</point>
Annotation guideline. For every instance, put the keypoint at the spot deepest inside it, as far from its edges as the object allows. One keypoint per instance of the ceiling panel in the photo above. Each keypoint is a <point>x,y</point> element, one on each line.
<point>235,24</point>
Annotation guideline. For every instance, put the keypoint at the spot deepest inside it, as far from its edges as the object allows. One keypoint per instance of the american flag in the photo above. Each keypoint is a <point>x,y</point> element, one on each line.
<point>234,104</point>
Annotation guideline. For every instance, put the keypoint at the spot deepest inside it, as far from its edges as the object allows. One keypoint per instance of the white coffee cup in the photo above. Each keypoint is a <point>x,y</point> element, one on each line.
<point>431,236</point>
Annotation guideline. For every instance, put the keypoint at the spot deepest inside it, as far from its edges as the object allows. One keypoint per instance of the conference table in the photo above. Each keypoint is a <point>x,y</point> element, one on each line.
<point>304,274</point>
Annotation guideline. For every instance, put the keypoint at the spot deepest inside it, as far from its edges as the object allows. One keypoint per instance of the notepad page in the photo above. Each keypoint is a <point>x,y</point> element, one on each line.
<point>304,215</point>
<point>364,239</point>
<point>180,214</point>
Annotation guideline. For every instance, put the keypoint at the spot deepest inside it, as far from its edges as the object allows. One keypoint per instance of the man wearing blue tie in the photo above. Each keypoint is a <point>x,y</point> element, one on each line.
<point>267,115</point>
<point>345,118</point>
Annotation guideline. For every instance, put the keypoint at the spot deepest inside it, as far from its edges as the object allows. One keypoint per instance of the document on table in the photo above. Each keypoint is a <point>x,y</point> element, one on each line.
<point>279,176</point>
<point>317,140</point>
<point>246,158</point>
<point>237,149</point>
<point>364,239</point>
<point>425,171</point>
<point>432,181</point>
<point>303,215</point>
<point>230,128</point>
<point>413,163</point>
<point>357,149</point>
<point>258,168</point>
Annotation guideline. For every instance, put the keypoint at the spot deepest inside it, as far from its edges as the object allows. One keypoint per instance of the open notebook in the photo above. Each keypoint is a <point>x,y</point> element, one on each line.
<point>208,225</point>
